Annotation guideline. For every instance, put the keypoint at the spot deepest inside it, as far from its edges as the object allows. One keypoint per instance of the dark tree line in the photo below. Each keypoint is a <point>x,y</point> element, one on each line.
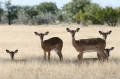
<point>45,12</point>
<point>80,11</point>
<point>87,12</point>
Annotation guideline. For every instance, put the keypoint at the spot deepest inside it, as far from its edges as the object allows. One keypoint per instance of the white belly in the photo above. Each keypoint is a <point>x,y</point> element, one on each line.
<point>56,50</point>
<point>89,51</point>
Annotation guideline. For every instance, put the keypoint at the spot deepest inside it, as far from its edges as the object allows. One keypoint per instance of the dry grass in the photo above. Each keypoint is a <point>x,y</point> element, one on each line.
<point>29,63</point>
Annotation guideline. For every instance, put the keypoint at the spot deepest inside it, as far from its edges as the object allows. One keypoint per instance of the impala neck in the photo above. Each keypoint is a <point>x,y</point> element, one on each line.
<point>42,42</point>
<point>74,42</point>
<point>104,38</point>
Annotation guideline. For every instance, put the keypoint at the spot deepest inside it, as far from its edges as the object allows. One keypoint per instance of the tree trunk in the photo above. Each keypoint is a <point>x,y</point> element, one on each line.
<point>9,18</point>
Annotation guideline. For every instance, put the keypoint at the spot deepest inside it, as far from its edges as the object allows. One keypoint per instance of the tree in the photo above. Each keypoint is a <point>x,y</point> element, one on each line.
<point>8,5</point>
<point>111,16</point>
<point>77,17</point>
<point>118,11</point>
<point>1,12</point>
<point>108,15</point>
<point>84,17</point>
<point>74,6</point>
<point>30,11</point>
<point>47,7</point>
<point>12,11</point>
<point>100,15</point>
<point>92,10</point>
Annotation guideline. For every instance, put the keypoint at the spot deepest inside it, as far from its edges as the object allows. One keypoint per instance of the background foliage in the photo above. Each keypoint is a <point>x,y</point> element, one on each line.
<point>79,11</point>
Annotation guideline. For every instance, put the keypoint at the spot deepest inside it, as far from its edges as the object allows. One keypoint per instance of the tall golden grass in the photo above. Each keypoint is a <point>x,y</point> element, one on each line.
<point>29,63</point>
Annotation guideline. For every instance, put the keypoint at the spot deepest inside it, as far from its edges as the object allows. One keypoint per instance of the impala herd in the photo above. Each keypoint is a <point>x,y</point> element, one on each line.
<point>81,45</point>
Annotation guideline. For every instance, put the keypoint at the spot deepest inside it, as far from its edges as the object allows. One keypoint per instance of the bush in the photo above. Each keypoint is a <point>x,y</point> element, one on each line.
<point>45,18</point>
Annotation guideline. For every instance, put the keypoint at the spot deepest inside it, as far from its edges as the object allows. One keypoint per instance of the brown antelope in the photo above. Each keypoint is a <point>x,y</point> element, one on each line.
<point>105,34</point>
<point>53,43</point>
<point>107,51</point>
<point>85,45</point>
<point>104,37</point>
<point>11,53</point>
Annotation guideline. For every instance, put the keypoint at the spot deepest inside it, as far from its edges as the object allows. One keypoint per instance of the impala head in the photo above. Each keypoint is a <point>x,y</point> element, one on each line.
<point>11,53</point>
<point>105,34</point>
<point>73,31</point>
<point>107,51</point>
<point>41,35</point>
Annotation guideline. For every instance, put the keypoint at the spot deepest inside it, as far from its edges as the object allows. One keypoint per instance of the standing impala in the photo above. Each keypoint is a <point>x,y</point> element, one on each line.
<point>84,45</point>
<point>104,37</point>
<point>107,51</point>
<point>53,43</point>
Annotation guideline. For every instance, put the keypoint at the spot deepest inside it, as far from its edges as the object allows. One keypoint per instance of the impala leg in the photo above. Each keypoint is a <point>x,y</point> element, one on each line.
<point>99,57</point>
<point>49,56</point>
<point>101,53</point>
<point>44,56</point>
<point>80,57</point>
<point>61,57</point>
<point>60,53</point>
<point>104,55</point>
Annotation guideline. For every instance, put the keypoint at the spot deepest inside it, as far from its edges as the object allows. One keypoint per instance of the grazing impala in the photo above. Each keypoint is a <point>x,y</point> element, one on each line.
<point>11,53</point>
<point>84,45</point>
<point>53,43</point>
<point>107,51</point>
<point>105,34</point>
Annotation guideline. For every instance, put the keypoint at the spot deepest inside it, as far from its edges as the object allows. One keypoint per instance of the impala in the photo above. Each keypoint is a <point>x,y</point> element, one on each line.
<point>11,53</point>
<point>85,45</point>
<point>57,21</point>
<point>104,37</point>
<point>107,51</point>
<point>54,43</point>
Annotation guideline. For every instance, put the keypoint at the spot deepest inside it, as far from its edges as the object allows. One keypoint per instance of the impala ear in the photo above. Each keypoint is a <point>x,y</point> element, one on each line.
<point>109,32</point>
<point>111,48</point>
<point>46,33</point>
<point>16,51</point>
<point>101,32</point>
<point>36,33</point>
<point>68,29</point>
<point>77,29</point>
<point>7,51</point>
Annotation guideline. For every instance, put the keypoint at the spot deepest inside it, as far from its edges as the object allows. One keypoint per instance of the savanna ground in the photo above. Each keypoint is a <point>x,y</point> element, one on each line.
<point>29,63</point>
